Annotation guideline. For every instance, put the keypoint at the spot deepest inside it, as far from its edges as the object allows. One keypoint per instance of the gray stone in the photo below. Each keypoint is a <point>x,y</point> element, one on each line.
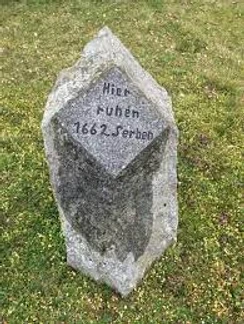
<point>111,144</point>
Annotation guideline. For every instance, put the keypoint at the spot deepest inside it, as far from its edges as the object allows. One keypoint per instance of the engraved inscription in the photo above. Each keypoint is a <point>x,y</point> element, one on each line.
<point>116,111</point>
<point>110,89</point>
<point>113,121</point>
<point>97,129</point>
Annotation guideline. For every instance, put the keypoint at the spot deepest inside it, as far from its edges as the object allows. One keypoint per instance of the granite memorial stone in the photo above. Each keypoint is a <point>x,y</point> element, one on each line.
<point>111,144</point>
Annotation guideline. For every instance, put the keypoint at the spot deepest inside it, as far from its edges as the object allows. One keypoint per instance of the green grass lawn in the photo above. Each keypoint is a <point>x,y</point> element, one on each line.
<point>195,49</point>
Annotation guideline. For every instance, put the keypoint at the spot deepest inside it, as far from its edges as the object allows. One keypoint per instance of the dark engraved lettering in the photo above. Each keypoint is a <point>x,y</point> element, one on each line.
<point>135,114</point>
<point>109,111</point>
<point>99,109</point>
<point>126,92</point>
<point>121,131</point>
<point>138,134</point>
<point>117,131</point>
<point>127,112</point>
<point>77,125</point>
<point>150,136</point>
<point>106,88</point>
<point>111,89</point>
<point>104,128</point>
<point>93,130</point>
<point>125,133</point>
<point>144,135</point>
<point>131,133</point>
<point>84,129</point>
<point>118,111</point>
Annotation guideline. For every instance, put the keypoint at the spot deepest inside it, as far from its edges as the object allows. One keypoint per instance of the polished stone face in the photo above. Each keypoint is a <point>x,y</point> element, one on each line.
<point>113,121</point>
<point>106,139</point>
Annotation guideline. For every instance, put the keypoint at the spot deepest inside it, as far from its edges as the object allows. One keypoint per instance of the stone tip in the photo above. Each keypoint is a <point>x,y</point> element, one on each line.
<point>105,31</point>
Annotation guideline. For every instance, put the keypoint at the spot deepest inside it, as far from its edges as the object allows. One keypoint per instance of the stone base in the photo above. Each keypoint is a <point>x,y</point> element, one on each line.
<point>122,276</point>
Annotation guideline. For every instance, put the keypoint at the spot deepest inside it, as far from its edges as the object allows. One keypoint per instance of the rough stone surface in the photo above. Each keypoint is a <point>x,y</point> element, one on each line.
<point>110,140</point>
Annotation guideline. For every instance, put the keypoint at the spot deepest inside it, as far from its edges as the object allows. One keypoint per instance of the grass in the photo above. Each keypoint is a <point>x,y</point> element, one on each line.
<point>195,50</point>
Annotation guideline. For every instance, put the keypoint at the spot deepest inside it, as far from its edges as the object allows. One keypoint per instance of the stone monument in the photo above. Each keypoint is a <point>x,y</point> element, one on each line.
<point>111,145</point>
